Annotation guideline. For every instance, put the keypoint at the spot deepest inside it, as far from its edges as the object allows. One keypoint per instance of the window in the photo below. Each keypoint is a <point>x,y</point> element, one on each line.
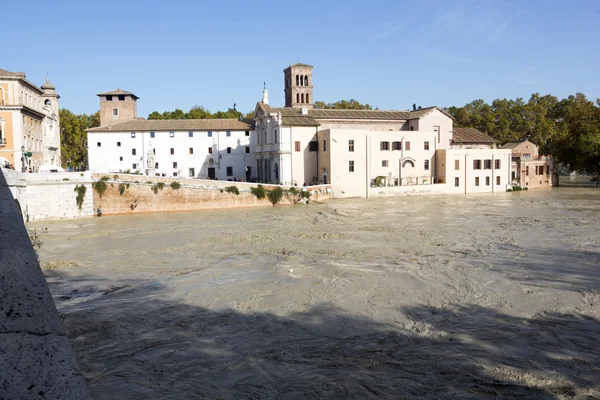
<point>476,164</point>
<point>527,171</point>
<point>109,98</point>
<point>497,164</point>
<point>133,135</point>
<point>297,97</point>
<point>228,133</point>
<point>313,145</point>
<point>118,144</point>
<point>229,171</point>
<point>426,165</point>
<point>133,152</point>
<point>174,173</point>
<point>437,129</point>
<point>476,181</point>
<point>134,166</point>
<point>190,134</point>
<point>275,133</point>
<point>229,150</point>
<point>351,145</point>
<point>412,128</point>
<point>120,158</point>
<point>98,144</point>
<point>497,180</point>
<point>297,145</point>
<point>171,134</point>
<point>406,145</point>
<point>247,149</point>
<point>324,145</point>
<point>487,181</point>
<point>209,133</point>
<point>384,146</point>
<point>425,145</point>
<point>396,146</point>
<point>115,111</point>
<point>191,150</point>
<point>247,133</point>
<point>302,97</point>
<point>192,173</point>
<point>547,170</point>
<point>456,165</point>
<point>172,150</point>
<point>456,182</point>
<point>384,163</point>
<point>121,97</point>
<point>175,164</point>
<point>351,166</point>
<point>487,164</point>
<point>152,135</point>
<point>307,98</point>
<point>210,150</point>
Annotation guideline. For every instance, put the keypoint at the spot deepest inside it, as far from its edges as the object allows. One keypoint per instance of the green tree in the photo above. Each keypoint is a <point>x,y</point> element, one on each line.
<point>198,112</point>
<point>73,137</point>
<point>342,105</point>
<point>156,115</point>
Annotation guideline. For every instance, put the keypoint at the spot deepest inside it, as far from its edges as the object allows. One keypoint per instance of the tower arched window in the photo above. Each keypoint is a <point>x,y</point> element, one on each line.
<point>308,101</point>
<point>305,80</point>
<point>302,97</point>
<point>297,97</point>
<point>297,80</point>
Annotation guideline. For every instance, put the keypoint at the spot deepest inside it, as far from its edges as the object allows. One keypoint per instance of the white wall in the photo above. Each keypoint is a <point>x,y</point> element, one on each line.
<point>107,157</point>
<point>466,174</point>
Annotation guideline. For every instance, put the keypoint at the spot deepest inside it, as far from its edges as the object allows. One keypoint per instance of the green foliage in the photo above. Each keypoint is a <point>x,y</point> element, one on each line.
<point>122,188</point>
<point>80,190</point>
<point>73,138</point>
<point>99,187</point>
<point>115,177</point>
<point>232,189</point>
<point>343,105</point>
<point>275,195</point>
<point>175,185</point>
<point>66,179</point>
<point>379,181</point>
<point>157,187</point>
<point>198,112</point>
<point>127,171</point>
<point>295,195</point>
<point>105,178</point>
<point>149,182</point>
<point>259,192</point>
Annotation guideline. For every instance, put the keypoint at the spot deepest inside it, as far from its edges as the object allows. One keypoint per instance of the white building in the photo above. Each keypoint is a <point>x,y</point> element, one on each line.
<point>190,148</point>
<point>357,150</point>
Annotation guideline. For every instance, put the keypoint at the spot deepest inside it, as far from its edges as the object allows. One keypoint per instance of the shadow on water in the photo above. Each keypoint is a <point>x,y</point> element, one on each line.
<point>132,342</point>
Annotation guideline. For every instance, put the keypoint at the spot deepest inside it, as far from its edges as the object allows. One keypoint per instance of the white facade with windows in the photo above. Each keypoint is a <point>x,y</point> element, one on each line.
<point>207,149</point>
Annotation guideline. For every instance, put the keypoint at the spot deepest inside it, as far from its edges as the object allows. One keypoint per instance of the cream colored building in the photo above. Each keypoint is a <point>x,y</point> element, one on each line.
<point>359,152</point>
<point>529,169</point>
<point>29,122</point>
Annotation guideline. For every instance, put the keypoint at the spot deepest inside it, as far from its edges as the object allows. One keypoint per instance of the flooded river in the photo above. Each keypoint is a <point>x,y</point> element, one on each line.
<point>412,297</point>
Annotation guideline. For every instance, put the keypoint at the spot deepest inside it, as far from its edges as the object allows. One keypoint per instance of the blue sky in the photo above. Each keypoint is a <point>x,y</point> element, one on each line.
<point>390,54</point>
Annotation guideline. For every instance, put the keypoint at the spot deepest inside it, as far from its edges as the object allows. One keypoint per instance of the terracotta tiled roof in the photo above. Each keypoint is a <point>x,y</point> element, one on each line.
<point>424,111</point>
<point>116,93</point>
<point>471,135</point>
<point>137,125</point>
<point>513,145</point>
<point>4,72</point>
<point>300,65</point>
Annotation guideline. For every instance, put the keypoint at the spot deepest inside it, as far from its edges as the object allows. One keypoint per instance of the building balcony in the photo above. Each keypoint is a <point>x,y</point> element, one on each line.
<point>382,181</point>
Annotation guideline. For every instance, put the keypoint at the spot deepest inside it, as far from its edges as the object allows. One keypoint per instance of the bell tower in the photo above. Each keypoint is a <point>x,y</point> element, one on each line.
<point>298,84</point>
<point>117,106</point>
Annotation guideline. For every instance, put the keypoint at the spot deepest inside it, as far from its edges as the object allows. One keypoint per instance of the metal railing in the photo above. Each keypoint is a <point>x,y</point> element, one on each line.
<point>407,181</point>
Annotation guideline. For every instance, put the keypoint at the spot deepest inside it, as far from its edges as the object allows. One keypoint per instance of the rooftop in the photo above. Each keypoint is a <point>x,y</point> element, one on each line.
<point>515,144</point>
<point>471,135</point>
<point>118,92</point>
<point>4,72</point>
<point>142,125</point>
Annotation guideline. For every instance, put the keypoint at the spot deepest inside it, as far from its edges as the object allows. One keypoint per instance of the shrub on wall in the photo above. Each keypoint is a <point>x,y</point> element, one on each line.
<point>175,185</point>
<point>121,188</point>
<point>100,187</point>
<point>105,178</point>
<point>157,187</point>
<point>275,195</point>
<point>80,190</point>
<point>259,192</point>
<point>232,189</point>
<point>295,196</point>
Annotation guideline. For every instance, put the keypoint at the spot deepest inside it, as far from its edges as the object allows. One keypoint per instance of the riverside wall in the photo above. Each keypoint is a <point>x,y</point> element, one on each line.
<point>50,196</point>
<point>36,358</point>
<point>126,194</point>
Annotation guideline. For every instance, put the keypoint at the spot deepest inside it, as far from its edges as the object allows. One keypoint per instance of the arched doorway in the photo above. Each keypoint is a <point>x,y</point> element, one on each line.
<point>407,172</point>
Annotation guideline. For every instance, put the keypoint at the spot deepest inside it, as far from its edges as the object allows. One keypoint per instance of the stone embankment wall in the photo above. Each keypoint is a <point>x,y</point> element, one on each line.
<point>50,196</point>
<point>194,194</point>
<point>36,358</point>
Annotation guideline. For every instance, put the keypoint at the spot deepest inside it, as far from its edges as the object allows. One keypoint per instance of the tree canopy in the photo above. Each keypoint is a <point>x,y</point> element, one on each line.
<point>343,105</point>
<point>198,112</point>
<point>73,138</point>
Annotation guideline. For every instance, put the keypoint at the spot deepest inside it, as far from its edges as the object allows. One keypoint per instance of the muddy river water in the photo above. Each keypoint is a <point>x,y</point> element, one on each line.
<point>478,296</point>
